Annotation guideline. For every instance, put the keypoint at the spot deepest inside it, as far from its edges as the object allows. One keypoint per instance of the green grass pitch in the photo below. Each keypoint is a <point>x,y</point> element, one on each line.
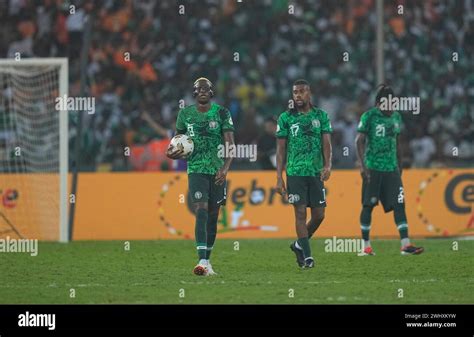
<point>261,271</point>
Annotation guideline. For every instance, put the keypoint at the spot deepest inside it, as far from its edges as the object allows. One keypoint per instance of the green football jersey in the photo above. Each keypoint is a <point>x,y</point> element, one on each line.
<point>303,132</point>
<point>206,130</point>
<point>382,132</point>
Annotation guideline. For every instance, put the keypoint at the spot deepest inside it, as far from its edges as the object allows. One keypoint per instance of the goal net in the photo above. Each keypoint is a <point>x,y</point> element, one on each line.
<point>33,149</point>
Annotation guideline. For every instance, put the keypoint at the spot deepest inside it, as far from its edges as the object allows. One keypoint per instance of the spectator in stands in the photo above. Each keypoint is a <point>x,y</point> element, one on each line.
<point>274,48</point>
<point>266,146</point>
<point>423,148</point>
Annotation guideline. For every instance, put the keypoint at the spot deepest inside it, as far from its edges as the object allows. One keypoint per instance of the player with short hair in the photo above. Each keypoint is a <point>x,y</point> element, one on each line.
<point>378,150</point>
<point>304,142</point>
<point>208,125</point>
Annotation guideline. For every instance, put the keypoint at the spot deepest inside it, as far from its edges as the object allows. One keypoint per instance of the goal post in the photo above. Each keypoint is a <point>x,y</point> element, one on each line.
<point>34,148</point>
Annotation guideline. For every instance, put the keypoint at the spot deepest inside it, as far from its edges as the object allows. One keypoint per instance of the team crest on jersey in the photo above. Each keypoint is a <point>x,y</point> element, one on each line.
<point>212,124</point>
<point>315,123</point>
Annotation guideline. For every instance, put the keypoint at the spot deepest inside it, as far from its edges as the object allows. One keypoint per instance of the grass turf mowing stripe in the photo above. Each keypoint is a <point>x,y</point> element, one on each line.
<point>261,271</point>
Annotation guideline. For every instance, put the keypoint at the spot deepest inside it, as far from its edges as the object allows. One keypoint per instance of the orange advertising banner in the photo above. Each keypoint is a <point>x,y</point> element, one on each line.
<point>155,206</point>
<point>147,206</point>
<point>29,206</point>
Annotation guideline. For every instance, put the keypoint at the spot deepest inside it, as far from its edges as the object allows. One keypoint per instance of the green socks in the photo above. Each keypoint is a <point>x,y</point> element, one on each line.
<point>200,233</point>
<point>304,244</point>
<point>365,220</point>
<point>211,232</point>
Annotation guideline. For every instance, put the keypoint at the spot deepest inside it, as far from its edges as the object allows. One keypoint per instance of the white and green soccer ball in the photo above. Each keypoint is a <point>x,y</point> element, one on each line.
<point>183,142</point>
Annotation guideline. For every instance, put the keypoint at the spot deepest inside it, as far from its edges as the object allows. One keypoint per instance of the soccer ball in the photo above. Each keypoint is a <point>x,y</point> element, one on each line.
<point>184,143</point>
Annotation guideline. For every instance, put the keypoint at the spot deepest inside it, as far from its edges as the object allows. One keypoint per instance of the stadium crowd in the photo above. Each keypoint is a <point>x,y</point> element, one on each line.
<point>144,56</point>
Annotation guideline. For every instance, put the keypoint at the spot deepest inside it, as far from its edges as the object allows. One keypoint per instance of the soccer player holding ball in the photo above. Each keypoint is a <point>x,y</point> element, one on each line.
<point>378,150</point>
<point>304,142</point>
<point>208,125</point>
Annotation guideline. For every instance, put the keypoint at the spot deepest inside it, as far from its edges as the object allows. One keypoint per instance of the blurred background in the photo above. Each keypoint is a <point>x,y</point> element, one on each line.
<point>137,100</point>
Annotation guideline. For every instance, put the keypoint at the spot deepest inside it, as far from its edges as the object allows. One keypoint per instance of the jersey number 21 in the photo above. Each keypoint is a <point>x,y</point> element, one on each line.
<point>380,130</point>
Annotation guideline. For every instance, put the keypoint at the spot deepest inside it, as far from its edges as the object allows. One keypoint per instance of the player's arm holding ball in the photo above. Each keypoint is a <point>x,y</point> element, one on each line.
<point>174,152</point>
